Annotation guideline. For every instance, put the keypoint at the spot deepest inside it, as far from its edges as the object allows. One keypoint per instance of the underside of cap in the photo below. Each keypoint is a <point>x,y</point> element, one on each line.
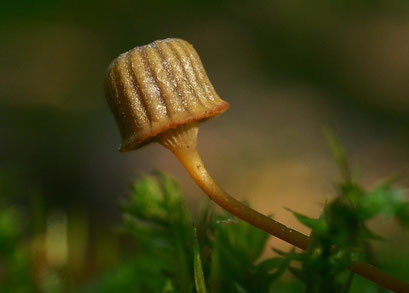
<point>156,87</point>
<point>133,143</point>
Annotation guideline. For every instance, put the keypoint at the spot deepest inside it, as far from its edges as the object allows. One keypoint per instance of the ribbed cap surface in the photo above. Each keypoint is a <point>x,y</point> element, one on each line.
<point>157,87</point>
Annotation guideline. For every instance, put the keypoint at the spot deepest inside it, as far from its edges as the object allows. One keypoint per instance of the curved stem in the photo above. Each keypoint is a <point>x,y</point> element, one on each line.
<point>379,277</point>
<point>190,159</point>
<point>182,141</point>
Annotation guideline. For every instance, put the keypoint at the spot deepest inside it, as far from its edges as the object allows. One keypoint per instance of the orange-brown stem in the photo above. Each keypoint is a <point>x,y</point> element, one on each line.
<point>182,141</point>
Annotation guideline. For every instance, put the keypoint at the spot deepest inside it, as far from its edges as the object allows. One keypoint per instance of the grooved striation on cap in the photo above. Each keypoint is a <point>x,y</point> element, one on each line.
<point>157,87</point>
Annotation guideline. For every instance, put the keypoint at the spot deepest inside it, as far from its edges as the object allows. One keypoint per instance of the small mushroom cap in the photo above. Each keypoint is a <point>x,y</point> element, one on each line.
<point>159,86</point>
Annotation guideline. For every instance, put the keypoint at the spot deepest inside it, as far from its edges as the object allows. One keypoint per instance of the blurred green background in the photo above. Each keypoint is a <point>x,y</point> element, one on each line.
<point>288,69</point>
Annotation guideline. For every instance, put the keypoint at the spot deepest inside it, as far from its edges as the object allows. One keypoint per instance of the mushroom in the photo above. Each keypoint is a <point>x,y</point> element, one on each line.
<point>160,93</point>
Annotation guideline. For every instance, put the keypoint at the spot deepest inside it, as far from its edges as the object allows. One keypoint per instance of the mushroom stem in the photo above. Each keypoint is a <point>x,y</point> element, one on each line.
<point>182,141</point>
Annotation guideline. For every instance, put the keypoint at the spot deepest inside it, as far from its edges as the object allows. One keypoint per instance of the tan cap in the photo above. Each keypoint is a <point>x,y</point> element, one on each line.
<point>157,87</point>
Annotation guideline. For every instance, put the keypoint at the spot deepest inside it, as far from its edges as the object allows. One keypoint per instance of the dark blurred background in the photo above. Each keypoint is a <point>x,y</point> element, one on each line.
<point>288,69</point>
